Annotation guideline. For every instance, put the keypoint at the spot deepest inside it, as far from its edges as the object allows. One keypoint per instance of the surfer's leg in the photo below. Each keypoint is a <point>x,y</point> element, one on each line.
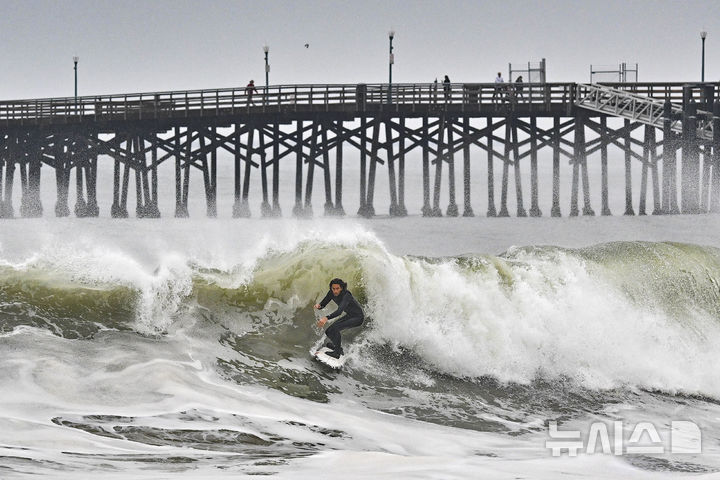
<point>333,331</point>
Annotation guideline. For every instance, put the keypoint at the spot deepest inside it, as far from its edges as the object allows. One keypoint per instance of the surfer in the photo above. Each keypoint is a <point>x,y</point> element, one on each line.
<point>345,302</point>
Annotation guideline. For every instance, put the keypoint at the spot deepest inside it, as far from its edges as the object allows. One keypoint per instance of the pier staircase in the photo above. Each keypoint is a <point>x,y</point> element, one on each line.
<point>638,108</point>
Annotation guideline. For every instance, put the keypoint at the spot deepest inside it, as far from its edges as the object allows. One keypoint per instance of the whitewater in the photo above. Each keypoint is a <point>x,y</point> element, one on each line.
<point>179,348</point>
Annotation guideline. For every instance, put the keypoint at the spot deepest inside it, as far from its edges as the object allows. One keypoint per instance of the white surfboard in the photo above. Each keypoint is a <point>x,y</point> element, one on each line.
<point>322,357</point>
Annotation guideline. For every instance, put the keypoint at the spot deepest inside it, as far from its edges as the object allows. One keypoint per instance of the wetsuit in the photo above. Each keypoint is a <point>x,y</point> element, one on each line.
<point>354,316</point>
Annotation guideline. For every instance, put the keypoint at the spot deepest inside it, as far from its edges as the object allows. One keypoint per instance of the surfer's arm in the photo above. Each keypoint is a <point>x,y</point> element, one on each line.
<point>341,308</point>
<point>324,301</point>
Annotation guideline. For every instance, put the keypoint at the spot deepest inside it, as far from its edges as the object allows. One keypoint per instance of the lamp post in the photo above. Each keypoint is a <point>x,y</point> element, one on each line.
<point>75,62</point>
<point>391,35</point>
<point>703,34</point>
<point>266,49</point>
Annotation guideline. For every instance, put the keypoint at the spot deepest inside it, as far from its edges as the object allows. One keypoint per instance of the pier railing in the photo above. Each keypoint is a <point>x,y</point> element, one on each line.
<point>349,98</point>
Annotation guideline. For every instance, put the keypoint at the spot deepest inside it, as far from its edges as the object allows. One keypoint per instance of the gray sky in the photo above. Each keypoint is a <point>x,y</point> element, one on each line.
<point>134,45</point>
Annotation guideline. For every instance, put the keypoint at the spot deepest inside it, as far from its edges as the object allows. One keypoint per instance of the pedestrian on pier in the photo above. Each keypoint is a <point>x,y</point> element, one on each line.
<point>519,87</point>
<point>249,90</point>
<point>446,88</point>
<point>499,88</point>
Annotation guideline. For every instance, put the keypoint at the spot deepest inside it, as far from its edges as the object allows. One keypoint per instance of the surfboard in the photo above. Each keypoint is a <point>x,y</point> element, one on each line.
<point>322,357</point>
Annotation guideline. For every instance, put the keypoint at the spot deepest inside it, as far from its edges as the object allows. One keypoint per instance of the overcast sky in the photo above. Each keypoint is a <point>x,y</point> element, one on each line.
<point>144,45</point>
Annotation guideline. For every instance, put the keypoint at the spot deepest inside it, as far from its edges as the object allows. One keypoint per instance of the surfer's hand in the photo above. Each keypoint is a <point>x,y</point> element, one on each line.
<point>322,322</point>
<point>317,306</point>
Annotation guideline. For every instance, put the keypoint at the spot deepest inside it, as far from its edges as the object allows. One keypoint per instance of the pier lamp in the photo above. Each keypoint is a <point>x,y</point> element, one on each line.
<point>703,34</point>
<point>76,59</point>
<point>391,35</point>
<point>266,49</point>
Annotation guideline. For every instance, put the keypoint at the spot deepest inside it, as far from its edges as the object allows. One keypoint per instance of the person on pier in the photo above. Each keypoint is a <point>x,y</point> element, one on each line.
<point>499,88</point>
<point>446,88</point>
<point>519,87</point>
<point>345,302</point>
<point>249,90</point>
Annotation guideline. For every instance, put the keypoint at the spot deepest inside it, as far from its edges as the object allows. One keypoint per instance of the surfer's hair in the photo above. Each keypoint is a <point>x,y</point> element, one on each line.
<point>337,281</point>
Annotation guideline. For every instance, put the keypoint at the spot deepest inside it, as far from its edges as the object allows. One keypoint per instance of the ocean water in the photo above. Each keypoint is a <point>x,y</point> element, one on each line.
<point>179,348</point>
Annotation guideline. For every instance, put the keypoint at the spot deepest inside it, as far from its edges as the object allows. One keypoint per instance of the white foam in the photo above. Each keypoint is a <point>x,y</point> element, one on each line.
<point>552,317</point>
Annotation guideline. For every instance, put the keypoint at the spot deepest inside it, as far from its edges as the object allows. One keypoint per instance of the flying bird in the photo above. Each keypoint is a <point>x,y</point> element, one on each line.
<point>307,45</point>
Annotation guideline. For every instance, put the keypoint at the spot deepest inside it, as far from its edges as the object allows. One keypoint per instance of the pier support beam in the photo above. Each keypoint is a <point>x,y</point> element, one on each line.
<point>401,210</point>
<point>307,205</point>
<point>392,181</point>
<point>241,209</point>
<point>91,208</point>
<point>715,195</point>
<point>506,163</point>
<point>669,196</point>
<point>706,172</point>
<point>31,161</point>
<point>276,210</point>
<point>644,171</point>
<point>3,163</point>
<point>604,140</point>
<point>436,212</point>
<point>579,147</point>
<point>33,204</point>
<point>628,171</point>
<point>362,210</point>
<point>374,160</point>
<point>6,207</point>
<point>555,210</point>
<point>82,162</point>
<point>467,207</point>
<point>244,207</point>
<point>182,173</point>
<point>534,205</point>
<point>654,165</point>
<point>152,209</point>
<point>690,169</point>
<point>297,208</point>
<point>491,211</point>
<point>339,210</point>
<point>62,176</point>
<point>452,210</point>
<point>516,167</point>
<point>587,208</point>
<point>265,207</point>
<point>426,208</point>
<point>118,208</point>
<point>136,158</point>
<point>209,170</point>
<point>580,169</point>
<point>78,161</point>
<point>329,208</point>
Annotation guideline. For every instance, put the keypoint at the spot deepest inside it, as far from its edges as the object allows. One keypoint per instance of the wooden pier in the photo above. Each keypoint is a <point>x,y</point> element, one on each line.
<point>304,130</point>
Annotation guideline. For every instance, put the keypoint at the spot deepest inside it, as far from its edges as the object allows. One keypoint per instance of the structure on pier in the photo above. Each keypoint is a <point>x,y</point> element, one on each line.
<point>309,129</point>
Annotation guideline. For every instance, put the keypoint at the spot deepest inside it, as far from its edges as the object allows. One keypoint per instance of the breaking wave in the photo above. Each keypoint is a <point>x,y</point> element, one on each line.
<point>629,314</point>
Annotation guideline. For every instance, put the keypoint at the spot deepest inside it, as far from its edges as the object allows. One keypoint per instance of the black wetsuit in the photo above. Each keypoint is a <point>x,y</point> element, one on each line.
<point>353,315</point>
